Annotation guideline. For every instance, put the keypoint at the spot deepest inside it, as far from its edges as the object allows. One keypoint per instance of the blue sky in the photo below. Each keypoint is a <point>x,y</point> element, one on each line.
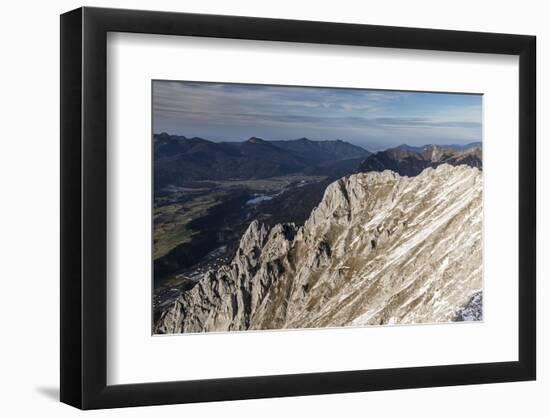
<point>374,119</point>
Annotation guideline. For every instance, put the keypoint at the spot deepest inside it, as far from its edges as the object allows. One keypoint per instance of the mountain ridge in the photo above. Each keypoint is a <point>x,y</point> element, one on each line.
<point>179,159</point>
<point>372,252</point>
<point>411,161</point>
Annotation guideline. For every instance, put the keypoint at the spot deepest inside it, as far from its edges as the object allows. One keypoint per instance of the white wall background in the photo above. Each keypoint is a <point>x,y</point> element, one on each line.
<point>29,237</point>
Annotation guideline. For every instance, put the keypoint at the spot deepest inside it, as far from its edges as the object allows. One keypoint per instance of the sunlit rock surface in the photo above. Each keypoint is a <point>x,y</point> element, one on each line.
<point>378,249</point>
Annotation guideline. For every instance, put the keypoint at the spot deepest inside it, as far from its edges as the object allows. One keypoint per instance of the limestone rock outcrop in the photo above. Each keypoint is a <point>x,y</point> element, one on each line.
<point>379,249</point>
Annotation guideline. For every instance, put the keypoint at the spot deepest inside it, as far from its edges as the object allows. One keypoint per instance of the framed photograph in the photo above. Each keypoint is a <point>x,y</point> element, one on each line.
<point>256,208</point>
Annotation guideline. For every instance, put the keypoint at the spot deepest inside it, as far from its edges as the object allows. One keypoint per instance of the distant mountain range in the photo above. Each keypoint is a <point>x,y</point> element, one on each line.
<point>410,161</point>
<point>179,159</point>
<point>456,147</point>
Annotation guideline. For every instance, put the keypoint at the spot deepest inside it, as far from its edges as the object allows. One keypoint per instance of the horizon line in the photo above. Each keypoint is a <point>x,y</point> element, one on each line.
<point>459,143</point>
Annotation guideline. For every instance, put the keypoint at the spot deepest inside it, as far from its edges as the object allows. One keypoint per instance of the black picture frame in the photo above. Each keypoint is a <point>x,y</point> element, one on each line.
<point>84,207</point>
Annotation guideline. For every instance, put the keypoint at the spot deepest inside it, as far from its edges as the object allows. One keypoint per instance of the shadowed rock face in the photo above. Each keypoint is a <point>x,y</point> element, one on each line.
<point>379,249</point>
<point>411,161</point>
<point>473,310</point>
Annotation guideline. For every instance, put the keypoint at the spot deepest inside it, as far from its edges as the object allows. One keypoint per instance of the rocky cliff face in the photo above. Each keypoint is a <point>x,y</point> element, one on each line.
<point>378,249</point>
<point>411,161</point>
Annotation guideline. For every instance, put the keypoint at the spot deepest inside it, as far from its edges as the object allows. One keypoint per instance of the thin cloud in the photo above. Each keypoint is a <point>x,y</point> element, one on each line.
<point>220,111</point>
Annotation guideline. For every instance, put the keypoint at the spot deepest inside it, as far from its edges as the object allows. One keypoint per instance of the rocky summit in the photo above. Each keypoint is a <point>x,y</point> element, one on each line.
<point>379,248</point>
